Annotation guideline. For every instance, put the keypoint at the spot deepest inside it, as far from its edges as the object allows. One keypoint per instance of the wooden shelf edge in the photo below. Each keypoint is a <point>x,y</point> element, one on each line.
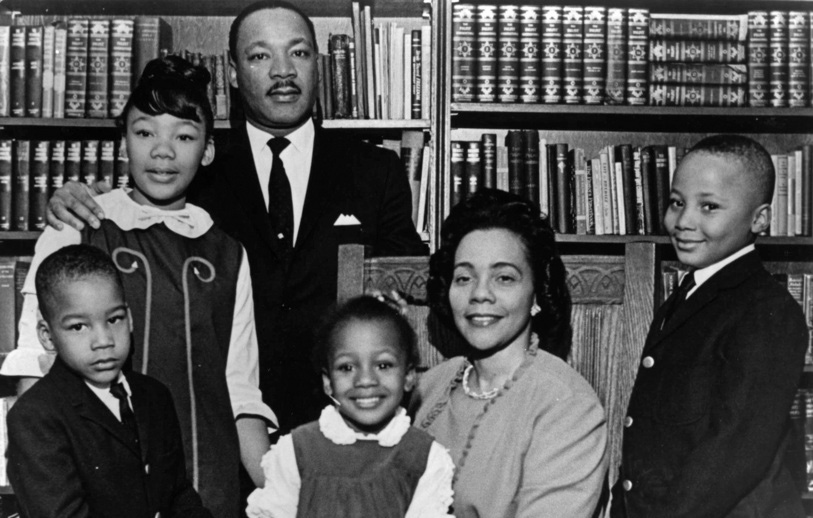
<point>602,110</point>
<point>664,240</point>
<point>351,124</point>
<point>19,235</point>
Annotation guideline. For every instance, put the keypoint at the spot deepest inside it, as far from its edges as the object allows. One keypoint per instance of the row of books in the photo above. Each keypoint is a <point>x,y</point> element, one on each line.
<point>31,170</point>
<point>598,55</point>
<point>399,79</point>
<point>417,159</point>
<point>623,189</point>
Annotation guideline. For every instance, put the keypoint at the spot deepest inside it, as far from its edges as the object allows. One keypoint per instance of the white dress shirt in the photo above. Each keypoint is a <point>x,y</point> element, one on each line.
<point>109,400</point>
<point>704,274</point>
<point>296,158</point>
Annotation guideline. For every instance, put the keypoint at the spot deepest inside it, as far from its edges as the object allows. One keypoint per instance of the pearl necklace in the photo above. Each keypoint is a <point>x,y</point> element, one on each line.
<point>483,395</point>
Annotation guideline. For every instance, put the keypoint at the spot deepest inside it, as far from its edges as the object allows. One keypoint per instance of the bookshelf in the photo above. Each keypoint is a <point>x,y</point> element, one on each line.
<point>616,279</point>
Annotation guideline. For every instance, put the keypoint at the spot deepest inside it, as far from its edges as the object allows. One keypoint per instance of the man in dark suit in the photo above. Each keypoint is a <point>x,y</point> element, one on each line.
<point>341,191</point>
<point>88,440</point>
<point>708,421</point>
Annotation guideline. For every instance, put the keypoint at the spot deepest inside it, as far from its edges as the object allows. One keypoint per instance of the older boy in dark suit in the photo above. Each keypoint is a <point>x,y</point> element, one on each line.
<point>708,422</point>
<point>86,440</point>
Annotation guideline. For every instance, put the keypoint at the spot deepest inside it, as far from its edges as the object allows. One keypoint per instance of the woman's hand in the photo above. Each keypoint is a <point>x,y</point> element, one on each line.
<point>73,204</point>
<point>393,298</point>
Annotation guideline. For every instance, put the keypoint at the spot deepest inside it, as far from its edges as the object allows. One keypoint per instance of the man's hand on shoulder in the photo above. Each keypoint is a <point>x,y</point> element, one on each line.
<point>73,204</point>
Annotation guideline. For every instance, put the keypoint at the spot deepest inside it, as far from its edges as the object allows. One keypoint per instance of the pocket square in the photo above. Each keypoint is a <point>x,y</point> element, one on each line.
<point>345,220</point>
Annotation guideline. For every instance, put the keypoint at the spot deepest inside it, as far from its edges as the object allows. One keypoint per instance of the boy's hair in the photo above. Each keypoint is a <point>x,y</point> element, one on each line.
<point>363,309</point>
<point>755,160</point>
<point>174,86</point>
<point>70,264</point>
<point>262,5</point>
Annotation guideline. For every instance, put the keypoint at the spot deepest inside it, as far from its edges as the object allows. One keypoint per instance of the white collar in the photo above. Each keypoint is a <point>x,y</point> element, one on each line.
<point>190,221</point>
<point>105,392</point>
<point>301,138</point>
<point>334,428</point>
<point>704,274</point>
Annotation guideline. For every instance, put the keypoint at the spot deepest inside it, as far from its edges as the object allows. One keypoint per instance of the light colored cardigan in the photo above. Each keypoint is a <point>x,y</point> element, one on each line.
<point>539,449</point>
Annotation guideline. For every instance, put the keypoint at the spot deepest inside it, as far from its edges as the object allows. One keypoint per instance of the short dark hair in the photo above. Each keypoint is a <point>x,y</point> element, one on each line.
<point>754,158</point>
<point>71,264</point>
<point>172,85</point>
<point>364,309</point>
<point>492,209</point>
<point>262,5</point>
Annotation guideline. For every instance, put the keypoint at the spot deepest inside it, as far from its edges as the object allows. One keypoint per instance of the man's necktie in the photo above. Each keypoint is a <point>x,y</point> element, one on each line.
<point>127,416</point>
<point>686,285</point>
<point>280,203</point>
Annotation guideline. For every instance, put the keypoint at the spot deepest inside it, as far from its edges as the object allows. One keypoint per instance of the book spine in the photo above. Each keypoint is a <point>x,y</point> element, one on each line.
<point>699,74</point>
<point>369,61</point>
<point>107,158</point>
<point>778,63</point>
<point>792,187</point>
<point>516,171</point>
<point>412,158</point>
<point>564,191</point>
<point>6,183</point>
<point>651,222</point>
<point>464,53</point>
<point>21,171</point>
<point>621,202</point>
<point>552,180</point>
<point>77,61</point>
<point>60,69</point>
<point>457,169</point>
<point>121,62</point>
<point>573,46</point>
<point>38,197</point>
<point>806,221</point>
<point>696,51</point>
<point>7,332</point>
<point>640,215</point>
<point>580,188</point>
<point>598,205</point>
<point>473,173</point>
<point>637,56</point>
<point>595,54</point>
<point>798,59</point>
<point>89,171</point>
<point>508,53</point>
<point>486,45</point>
<point>17,76</point>
<point>530,164</point>
<point>616,82</point>
<point>99,41</point>
<point>661,183</point>
<point>502,168</point>
<point>361,81</point>
<point>416,81</point>
<point>48,34</point>
<point>552,54</point>
<point>341,82</point>
<point>758,57</point>
<point>351,71</point>
<point>146,43</point>
<point>606,167</point>
<point>697,95</point>
<point>629,187</point>
<point>221,107</point>
<point>73,161</point>
<point>426,71</point>
<point>530,74</point>
<point>5,70</point>
<point>56,167</point>
<point>33,72</point>
<point>699,27</point>
<point>780,195</point>
<point>489,146</point>
<point>121,170</point>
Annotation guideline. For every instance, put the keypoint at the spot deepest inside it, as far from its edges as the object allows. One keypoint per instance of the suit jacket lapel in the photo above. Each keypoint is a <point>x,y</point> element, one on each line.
<point>89,407</point>
<point>328,178</point>
<point>243,174</point>
<point>731,275</point>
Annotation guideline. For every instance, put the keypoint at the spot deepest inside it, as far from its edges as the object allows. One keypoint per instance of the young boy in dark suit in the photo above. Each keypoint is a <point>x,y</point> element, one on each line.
<point>707,425</point>
<point>88,440</point>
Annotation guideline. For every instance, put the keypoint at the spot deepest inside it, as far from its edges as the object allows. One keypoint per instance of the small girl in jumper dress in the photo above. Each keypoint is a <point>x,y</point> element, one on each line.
<point>362,457</point>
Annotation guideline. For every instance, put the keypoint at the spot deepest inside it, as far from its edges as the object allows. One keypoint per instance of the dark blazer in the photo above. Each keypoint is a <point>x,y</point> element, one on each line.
<point>68,455</point>
<point>347,177</point>
<point>709,409</point>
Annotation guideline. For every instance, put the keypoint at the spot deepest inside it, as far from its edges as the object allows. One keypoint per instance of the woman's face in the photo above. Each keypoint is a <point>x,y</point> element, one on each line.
<point>492,290</point>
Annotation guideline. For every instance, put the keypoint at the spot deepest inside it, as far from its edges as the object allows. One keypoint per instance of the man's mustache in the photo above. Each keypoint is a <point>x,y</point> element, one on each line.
<point>284,85</point>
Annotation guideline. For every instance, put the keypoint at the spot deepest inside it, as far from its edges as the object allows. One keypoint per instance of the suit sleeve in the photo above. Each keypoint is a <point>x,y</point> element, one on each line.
<point>41,467</point>
<point>396,231</point>
<point>762,356</point>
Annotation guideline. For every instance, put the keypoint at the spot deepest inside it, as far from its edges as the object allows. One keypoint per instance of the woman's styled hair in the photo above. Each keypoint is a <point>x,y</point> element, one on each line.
<point>491,209</point>
<point>174,86</point>
<point>363,309</point>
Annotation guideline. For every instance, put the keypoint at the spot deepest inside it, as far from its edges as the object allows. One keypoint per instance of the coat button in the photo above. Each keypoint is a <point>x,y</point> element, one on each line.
<point>627,422</point>
<point>648,362</point>
<point>627,485</point>
<point>146,469</point>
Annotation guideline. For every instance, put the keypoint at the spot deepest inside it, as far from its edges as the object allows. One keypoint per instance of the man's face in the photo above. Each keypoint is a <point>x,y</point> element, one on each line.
<point>274,68</point>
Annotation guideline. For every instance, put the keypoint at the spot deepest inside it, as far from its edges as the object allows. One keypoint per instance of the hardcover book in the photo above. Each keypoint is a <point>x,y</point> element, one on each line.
<point>77,62</point>
<point>56,167</point>
<point>464,56</point>
<point>516,155</point>
<point>564,191</point>
<point>530,164</point>
<point>697,95</point>
<point>33,72</point>
<point>60,68</point>
<point>616,83</point>
<point>18,70</point>
<point>121,66</point>
<point>778,63</point>
<point>530,75</point>
<point>699,73</point>
<point>758,57</point>
<point>6,183</point>
<point>73,161</point>
<point>594,67</point>
<point>573,44</point>
<point>637,59</point>
<point>486,51</point>
<point>507,53</point>
<point>628,187</point>
<point>99,41</point>
<point>48,40</point>
<point>798,59</point>
<point>457,169</point>
<point>21,181</point>
<point>552,54</point>
<point>473,173</point>
<point>416,77</point>
<point>412,158</point>
<point>121,169</point>
<point>89,171</point>
<point>147,40</point>
<point>5,70</point>
<point>731,27</point>
<point>340,63</point>
<point>107,157</point>
<point>696,51</point>
<point>39,184</point>
<point>488,144</point>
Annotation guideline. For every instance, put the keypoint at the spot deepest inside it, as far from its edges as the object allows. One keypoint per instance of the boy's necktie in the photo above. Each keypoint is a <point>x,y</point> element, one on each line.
<point>280,204</point>
<point>126,413</point>
<point>686,285</point>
